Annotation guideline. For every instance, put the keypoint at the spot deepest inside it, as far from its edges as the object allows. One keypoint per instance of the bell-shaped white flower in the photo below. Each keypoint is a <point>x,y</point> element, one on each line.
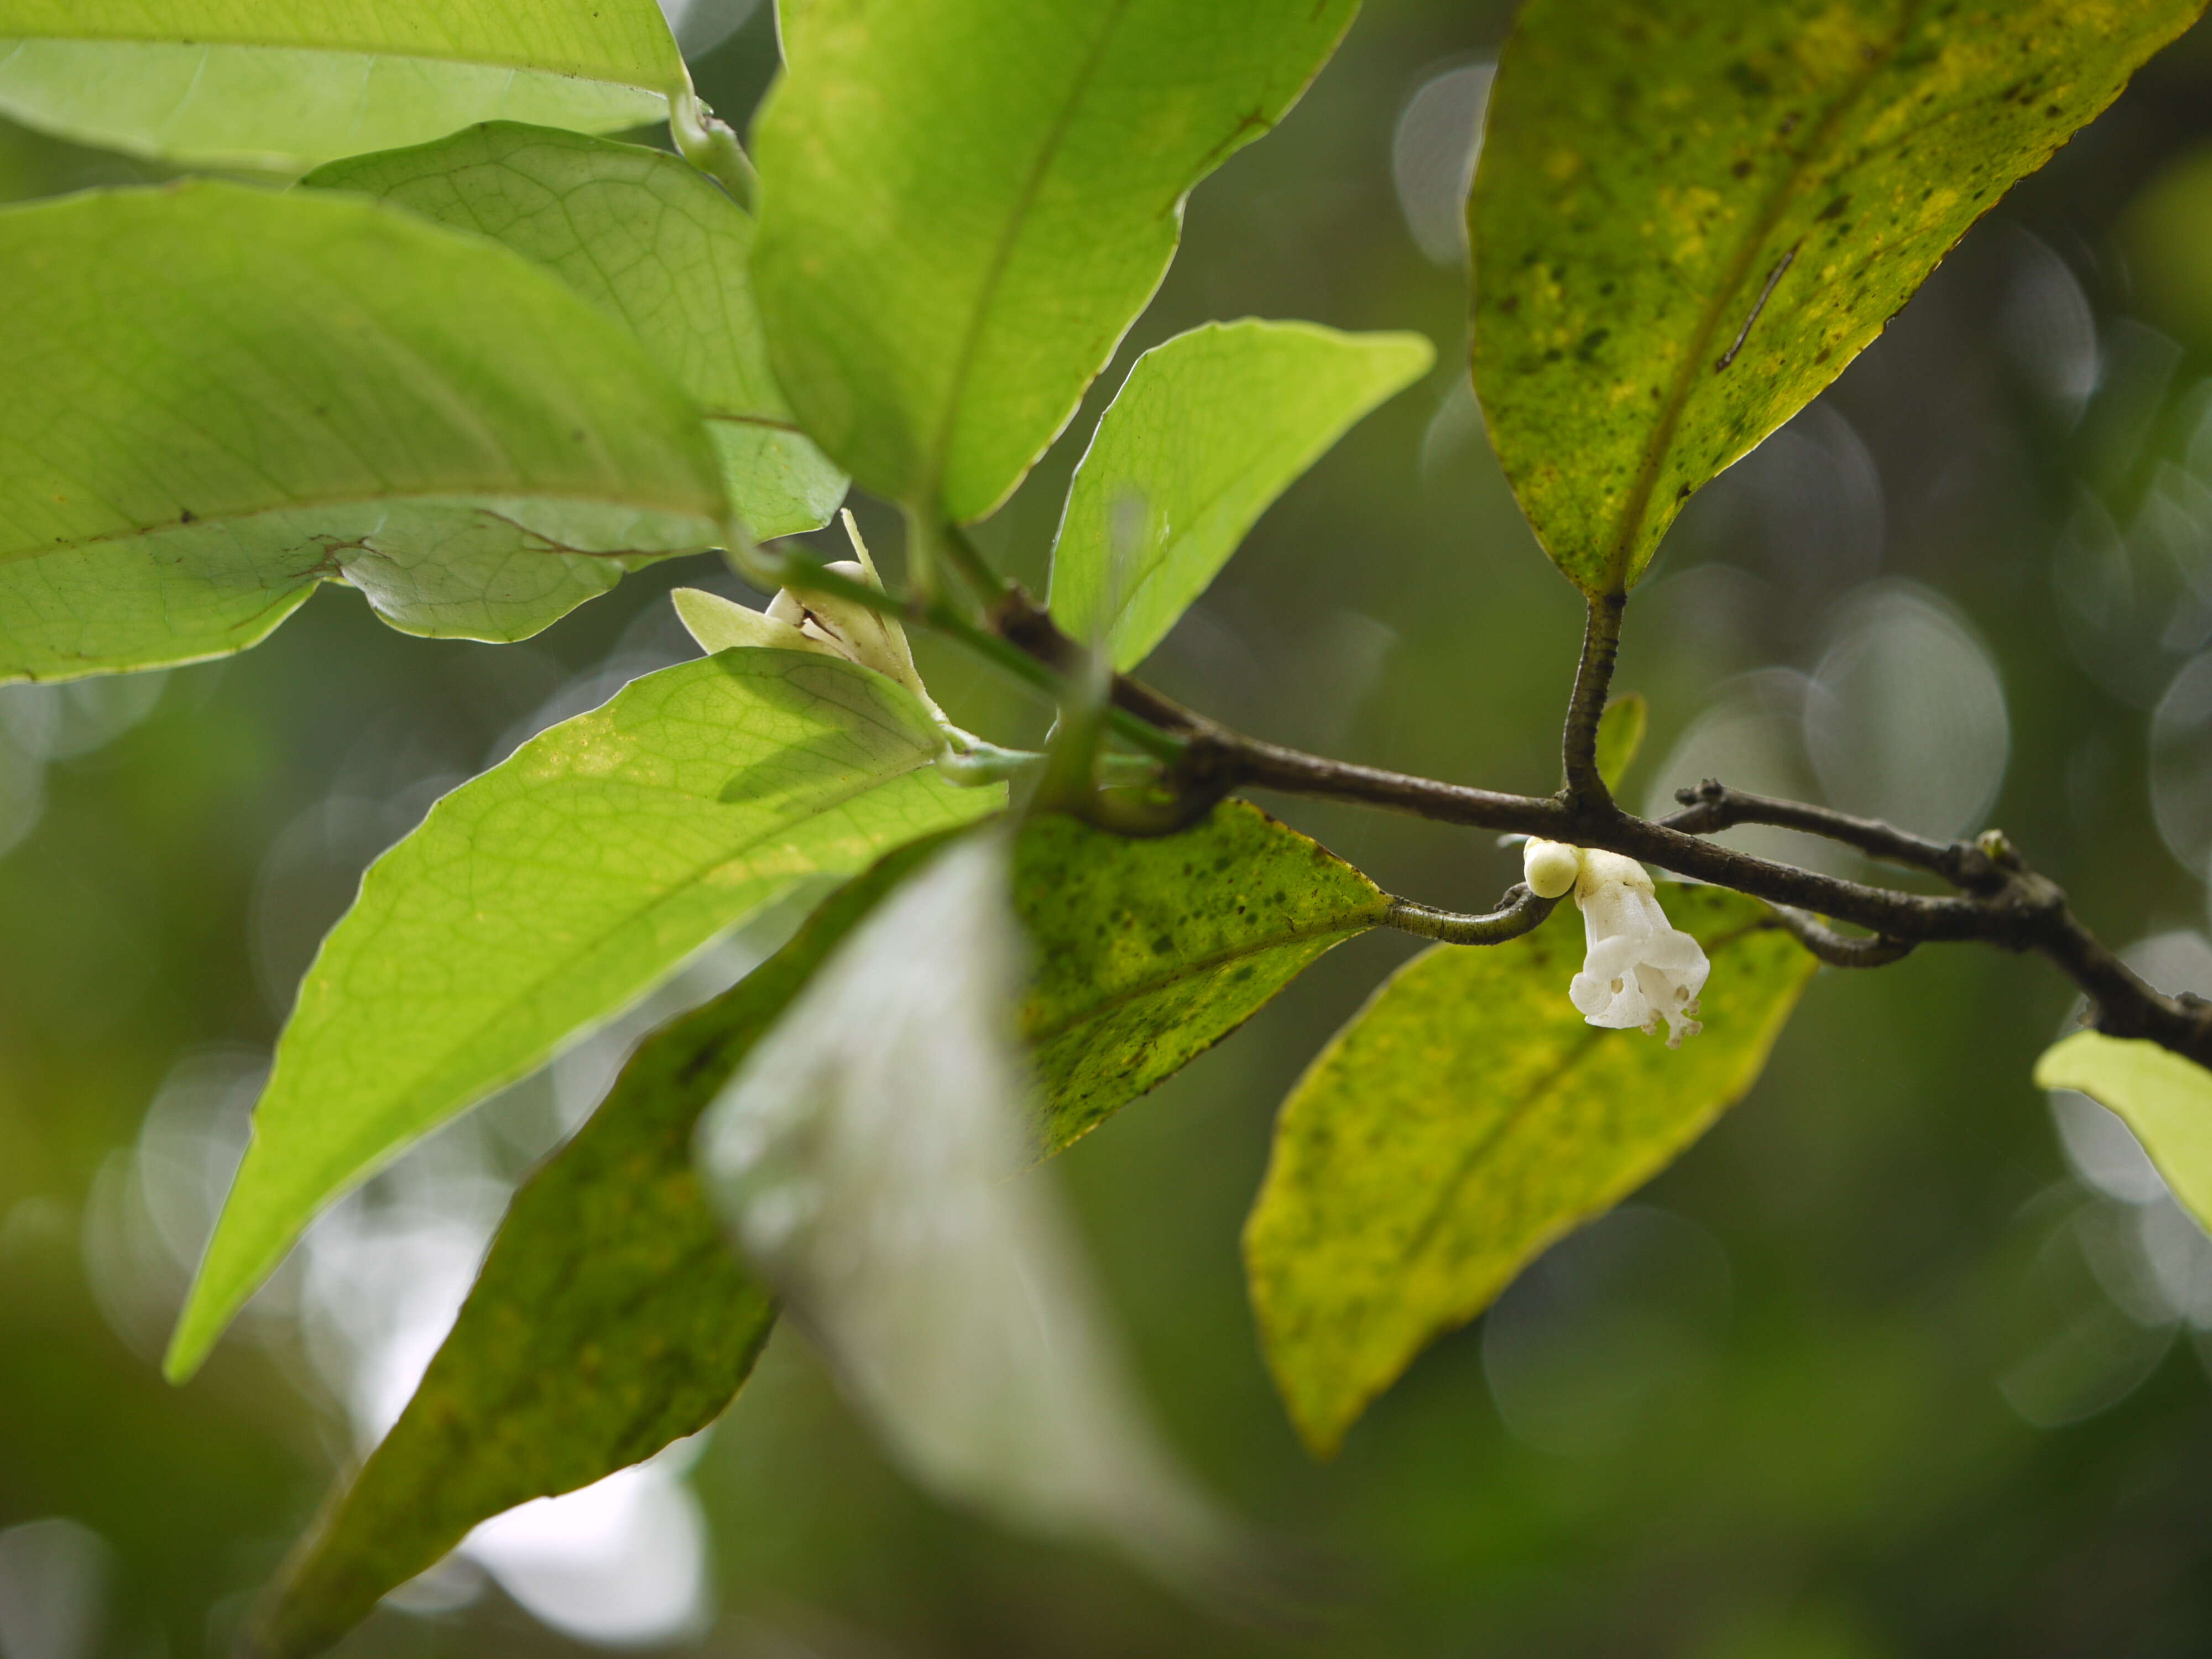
<point>1639,969</point>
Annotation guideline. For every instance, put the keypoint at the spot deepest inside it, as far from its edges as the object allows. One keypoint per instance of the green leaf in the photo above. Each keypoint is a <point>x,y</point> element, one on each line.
<point>612,1251</point>
<point>610,1317</point>
<point>1207,430</point>
<point>2165,1099</point>
<point>1619,735</point>
<point>1465,1119</point>
<point>218,397</point>
<point>547,894</point>
<point>965,203</point>
<point>1690,215</point>
<point>281,84</point>
<point>646,237</point>
<point>1149,952</point>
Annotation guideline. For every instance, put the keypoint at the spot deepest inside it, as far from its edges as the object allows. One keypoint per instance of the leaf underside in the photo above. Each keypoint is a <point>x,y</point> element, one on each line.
<point>228,83</point>
<point>547,895</point>
<point>647,238</point>
<point>1465,1119</point>
<point>1207,430</point>
<point>219,398</point>
<point>966,202</point>
<point>610,1317</point>
<point>1690,215</point>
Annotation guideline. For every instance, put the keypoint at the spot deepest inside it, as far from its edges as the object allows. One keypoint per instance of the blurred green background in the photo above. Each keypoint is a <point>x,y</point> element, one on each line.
<point>1903,1359</point>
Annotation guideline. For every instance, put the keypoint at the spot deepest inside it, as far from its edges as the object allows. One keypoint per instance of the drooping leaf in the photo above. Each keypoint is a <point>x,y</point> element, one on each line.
<point>281,84</point>
<point>1207,430</point>
<point>965,203</point>
<point>648,238</point>
<point>868,1158</point>
<point>217,397</point>
<point>547,894</point>
<point>1149,952</point>
<point>1465,1119</point>
<point>1690,215</point>
<point>610,1317</point>
<point>2165,1099</point>
<point>1619,735</point>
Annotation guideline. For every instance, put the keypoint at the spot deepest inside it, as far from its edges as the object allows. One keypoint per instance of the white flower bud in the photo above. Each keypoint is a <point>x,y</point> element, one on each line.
<point>1639,969</point>
<point>1550,867</point>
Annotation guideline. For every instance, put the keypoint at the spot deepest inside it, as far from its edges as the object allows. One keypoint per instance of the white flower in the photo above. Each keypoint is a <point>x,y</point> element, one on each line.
<point>1639,969</point>
<point>800,620</point>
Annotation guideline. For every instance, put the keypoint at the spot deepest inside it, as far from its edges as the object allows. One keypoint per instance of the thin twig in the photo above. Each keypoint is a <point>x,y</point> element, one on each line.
<point>1840,950</point>
<point>2004,904</point>
<point>1519,912</point>
<point>1711,807</point>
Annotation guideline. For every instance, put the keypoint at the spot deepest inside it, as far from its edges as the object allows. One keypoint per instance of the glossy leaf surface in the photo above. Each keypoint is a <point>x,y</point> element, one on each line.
<point>2165,1099</point>
<point>1690,215</point>
<point>646,238</point>
<point>549,893</point>
<point>1149,951</point>
<point>251,83</point>
<point>218,397</point>
<point>1207,430</point>
<point>965,203</point>
<point>610,1318</point>
<point>1465,1119</point>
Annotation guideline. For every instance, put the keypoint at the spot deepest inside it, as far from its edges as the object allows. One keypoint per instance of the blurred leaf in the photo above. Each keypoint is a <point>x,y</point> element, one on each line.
<point>1690,215</point>
<point>2166,236</point>
<point>547,894</point>
<point>1207,430</point>
<point>1619,735</point>
<point>1149,952</point>
<point>2165,1099</point>
<point>281,84</point>
<point>869,1156</point>
<point>612,1317</point>
<point>218,397</point>
<point>646,237</point>
<point>965,203</point>
<point>1465,1119</point>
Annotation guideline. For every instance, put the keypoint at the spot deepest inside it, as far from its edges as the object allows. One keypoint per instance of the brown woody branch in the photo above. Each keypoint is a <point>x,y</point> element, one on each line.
<point>2001,901</point>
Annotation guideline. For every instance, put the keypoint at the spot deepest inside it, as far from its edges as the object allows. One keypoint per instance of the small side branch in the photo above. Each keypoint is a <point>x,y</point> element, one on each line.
<point>1712,806</point>
<point>1519,912</point>
<point>1840,950</point>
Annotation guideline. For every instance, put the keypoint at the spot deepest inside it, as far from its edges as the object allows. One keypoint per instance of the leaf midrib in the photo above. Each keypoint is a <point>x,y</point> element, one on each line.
<point>1347,924</point>
<point>1718,308</point>
<point>462,499</point>
<point>963,362</point>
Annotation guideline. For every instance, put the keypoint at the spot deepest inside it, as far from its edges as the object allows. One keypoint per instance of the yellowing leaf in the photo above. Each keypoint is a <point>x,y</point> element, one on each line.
<point>2165,1099</point>
<point>1690,215</point>
<point>1465,1119</point>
